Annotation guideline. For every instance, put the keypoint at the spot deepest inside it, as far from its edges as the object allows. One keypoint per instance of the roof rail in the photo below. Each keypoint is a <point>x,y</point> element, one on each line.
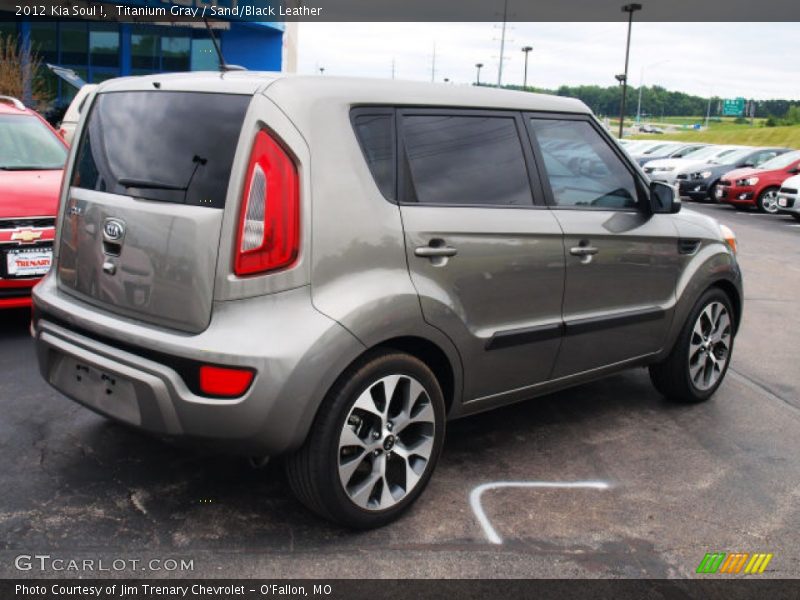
<point>13,101</point>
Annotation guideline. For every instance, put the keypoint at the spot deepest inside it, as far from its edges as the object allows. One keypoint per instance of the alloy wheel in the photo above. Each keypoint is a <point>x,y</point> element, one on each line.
<point>709,346</point>
<point>769,202</point>
<point>386,442</point>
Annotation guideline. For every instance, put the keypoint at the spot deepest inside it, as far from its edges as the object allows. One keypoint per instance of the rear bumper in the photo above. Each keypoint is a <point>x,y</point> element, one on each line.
<point>281,336</point>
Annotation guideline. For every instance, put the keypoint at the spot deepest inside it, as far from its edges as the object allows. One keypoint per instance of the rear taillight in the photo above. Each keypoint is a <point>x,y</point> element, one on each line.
<point>224,382</point>
<point>269,221</point>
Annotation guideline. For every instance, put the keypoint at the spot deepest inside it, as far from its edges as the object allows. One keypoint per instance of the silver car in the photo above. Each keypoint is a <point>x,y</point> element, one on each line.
<point>328,270</point>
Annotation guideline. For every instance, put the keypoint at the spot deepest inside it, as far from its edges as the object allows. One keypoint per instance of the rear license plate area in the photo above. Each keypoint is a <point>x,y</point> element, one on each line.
<point>104,391</point>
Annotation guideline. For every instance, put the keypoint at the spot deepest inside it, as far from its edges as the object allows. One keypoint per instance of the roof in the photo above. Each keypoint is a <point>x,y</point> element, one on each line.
<point>350,90</point>
<point>231,82</point>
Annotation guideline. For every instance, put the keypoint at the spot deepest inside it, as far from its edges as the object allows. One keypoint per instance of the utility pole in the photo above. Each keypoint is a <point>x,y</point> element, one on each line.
<point>392,68</point>
<point>433,64</point>
<point>708,109</point>
<point>502,45</point>
<point>639,104</point>
<point>478,67</point>
<point>630,9</point>
<point>526,50</point>
<point>641,85</point>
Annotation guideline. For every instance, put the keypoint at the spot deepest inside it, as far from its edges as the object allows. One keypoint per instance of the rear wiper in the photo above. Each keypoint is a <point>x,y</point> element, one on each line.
<point>143,184</point>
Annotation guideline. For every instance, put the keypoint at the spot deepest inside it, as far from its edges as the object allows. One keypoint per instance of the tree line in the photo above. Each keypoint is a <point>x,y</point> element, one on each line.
<point>657,102</point>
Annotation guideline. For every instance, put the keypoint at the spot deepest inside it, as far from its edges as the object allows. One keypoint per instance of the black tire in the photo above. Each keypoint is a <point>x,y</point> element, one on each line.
<point>672,376</point>
<point>761,198</point>
<point>711,197</point>
<point>313,471</point>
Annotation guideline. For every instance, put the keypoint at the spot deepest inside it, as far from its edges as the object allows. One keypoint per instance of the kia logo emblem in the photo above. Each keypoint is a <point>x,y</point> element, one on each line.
<point>114,230</point>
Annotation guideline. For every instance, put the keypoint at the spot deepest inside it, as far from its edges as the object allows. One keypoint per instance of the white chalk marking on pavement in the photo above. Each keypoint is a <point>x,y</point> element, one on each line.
<point>480,514</point>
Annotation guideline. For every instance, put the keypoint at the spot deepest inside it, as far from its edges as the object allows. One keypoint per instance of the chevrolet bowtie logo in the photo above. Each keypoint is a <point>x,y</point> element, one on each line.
<point>25,236</point>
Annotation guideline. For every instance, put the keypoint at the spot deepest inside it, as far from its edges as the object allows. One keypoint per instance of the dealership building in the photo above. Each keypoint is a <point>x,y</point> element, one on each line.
<point>101,49</point>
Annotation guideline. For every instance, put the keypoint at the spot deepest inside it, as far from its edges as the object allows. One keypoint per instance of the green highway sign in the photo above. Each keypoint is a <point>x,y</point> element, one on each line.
<point>733,107</point>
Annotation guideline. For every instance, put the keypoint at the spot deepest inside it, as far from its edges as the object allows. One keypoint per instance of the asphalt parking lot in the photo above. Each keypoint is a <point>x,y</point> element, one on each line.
<point>668,483</point>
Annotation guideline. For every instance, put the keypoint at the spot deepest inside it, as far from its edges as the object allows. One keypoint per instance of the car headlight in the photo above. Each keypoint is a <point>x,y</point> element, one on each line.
<point>701,175</point>
<point>729,237</point>
<point>747,181</point>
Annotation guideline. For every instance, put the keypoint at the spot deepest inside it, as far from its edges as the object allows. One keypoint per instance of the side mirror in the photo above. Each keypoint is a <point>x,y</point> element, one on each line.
<point>663,198</point>
<point>749,165</point>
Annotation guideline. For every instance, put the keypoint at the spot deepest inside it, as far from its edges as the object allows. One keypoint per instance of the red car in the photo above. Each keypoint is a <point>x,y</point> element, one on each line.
<point>32,157</point>
<point>758,187</point>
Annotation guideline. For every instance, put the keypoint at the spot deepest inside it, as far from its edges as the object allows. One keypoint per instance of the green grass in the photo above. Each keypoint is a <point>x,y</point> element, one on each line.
<point>730,133</point>
<point>717,123</point>
<point>723,131</point>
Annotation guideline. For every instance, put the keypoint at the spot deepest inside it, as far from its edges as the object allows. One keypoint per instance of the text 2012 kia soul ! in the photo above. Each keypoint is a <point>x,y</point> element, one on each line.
<point>330,269</point>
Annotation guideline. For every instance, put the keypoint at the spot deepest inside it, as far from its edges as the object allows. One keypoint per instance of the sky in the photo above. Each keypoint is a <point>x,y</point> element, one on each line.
<point>753,60</point>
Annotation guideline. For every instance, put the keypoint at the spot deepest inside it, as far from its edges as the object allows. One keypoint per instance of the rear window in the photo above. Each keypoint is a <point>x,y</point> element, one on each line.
<point>166,146</point>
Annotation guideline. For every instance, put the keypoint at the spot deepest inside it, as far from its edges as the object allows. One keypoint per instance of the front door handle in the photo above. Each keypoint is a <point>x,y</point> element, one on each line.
<point>584,251</point>
<point>435,251</point>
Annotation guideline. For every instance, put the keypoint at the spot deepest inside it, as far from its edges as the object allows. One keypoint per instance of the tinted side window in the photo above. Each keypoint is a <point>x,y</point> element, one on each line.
<point>376,135</point>
<point>583,170</point>
<point>168,146</point>
<point>464,160</point>
<point>763,157</point>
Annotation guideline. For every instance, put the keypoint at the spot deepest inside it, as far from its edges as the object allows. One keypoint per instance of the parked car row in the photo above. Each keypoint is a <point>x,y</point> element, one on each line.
<point>743,176</point>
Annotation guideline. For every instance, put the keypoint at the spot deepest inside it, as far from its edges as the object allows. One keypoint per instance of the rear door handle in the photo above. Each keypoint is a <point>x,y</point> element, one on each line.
<point>435,251</point>
<point>584,251</point>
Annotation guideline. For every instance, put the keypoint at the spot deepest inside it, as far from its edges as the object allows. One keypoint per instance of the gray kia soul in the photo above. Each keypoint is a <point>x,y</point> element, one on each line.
<point>329,269</point>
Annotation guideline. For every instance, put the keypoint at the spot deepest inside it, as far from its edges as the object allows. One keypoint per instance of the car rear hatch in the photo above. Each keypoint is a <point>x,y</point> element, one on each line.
<point>143,213</point>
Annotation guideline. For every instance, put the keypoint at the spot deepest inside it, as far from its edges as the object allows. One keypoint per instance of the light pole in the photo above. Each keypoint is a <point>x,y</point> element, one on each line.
<point>433,64</point>
<point>478,67</point>
<point>526,50</point>
<point>630,9</point>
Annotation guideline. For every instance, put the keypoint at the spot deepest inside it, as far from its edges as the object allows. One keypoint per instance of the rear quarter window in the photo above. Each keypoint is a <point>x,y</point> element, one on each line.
<point>166,146</point>
<point>375,133</point>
